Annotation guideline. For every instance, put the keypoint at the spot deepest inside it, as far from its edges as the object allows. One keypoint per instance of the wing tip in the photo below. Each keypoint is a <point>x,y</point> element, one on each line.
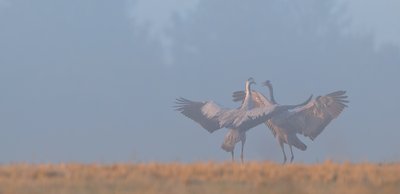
<point>180,104</point>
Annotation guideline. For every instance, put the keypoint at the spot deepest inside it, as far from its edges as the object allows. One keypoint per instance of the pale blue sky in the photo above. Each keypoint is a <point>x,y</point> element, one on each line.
<point>380,17</point>
<point>95,81</point>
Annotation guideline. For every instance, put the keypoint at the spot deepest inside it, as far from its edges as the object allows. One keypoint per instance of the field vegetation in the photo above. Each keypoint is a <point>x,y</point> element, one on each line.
<point>208,177</point>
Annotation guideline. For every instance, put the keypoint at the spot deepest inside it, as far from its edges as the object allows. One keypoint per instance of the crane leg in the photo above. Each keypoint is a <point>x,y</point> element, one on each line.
<point>241,154</point>
<point>291,151</point>
<point>283,150</point>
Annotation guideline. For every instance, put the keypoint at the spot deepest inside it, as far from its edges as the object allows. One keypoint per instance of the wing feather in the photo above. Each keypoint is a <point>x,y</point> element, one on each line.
<point>203,113</point>
<point>255,116</point>
<point>238,96</point>
<point>311,119</point>
<point>212,117</point>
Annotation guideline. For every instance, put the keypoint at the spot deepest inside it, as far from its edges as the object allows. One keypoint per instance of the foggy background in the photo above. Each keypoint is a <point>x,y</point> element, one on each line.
<point>95,81</point>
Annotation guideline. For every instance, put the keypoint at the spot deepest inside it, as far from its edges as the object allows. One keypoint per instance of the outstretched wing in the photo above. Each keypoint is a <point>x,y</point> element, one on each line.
<point>258,98</point>
<point>212,117</point>
<point>311,119</point>
<point>204,113</point>
<point>258,116</point>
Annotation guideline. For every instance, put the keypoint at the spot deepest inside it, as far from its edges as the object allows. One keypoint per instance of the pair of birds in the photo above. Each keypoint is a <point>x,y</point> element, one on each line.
<point>285,121</point>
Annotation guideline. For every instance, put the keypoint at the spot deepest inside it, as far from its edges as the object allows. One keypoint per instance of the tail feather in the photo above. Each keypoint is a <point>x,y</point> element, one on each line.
<point>228,147</point>
<point>298,144</point>
<point>231,138</point>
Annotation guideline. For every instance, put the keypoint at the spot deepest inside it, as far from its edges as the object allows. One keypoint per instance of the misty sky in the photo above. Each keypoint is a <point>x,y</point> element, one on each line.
<point>95,81</point>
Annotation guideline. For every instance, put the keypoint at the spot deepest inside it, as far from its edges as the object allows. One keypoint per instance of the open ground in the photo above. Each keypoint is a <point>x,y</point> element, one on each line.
<point>201,177</point>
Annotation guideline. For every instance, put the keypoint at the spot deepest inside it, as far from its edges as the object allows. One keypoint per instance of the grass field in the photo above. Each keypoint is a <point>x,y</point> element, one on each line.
<point>177,178</point>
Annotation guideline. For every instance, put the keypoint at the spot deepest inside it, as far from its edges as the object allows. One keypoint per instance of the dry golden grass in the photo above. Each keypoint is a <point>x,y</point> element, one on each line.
<point>176,178</point>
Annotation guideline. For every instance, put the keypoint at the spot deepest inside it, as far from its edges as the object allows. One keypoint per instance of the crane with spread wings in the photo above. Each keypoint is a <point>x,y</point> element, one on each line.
<point>212,117</point>
<point>309,120</point>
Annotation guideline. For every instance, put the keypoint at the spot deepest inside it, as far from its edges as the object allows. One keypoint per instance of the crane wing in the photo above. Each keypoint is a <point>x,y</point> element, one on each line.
<point>212,117</point>
<point>238,96</point>
<point>204,113</point>
<point>311,119</point>
<point>258,98</point>
<point>245,119</point>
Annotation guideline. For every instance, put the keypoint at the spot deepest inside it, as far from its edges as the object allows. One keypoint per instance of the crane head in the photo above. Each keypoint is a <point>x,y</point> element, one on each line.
<point>251,81</point>
<point>267,83</point>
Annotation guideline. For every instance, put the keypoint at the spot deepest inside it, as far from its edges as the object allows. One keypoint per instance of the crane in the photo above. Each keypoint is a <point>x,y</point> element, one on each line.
<point>309,120</point>
<point>212,116</point>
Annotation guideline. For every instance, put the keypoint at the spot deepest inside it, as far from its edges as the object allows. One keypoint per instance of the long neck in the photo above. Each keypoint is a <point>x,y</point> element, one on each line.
<point>247,88</point>
<point>271,94</point>
<point>248,103</point>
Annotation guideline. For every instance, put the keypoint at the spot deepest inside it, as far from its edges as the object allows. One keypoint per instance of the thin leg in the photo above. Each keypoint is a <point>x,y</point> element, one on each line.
<point>283,150</point>
<point>232,156</point>
<point>291,151</point>
<point>241,154</point>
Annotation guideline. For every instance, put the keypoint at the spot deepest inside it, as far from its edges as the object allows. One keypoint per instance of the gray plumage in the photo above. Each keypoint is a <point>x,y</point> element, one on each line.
<point>309,120</point>
<point>212,117</point>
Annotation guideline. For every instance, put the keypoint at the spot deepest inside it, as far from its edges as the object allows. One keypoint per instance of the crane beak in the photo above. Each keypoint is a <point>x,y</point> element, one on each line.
<point>266,83</point>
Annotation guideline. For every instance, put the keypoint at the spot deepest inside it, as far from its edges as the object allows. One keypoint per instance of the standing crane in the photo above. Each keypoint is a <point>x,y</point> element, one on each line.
<point>309,120</point>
